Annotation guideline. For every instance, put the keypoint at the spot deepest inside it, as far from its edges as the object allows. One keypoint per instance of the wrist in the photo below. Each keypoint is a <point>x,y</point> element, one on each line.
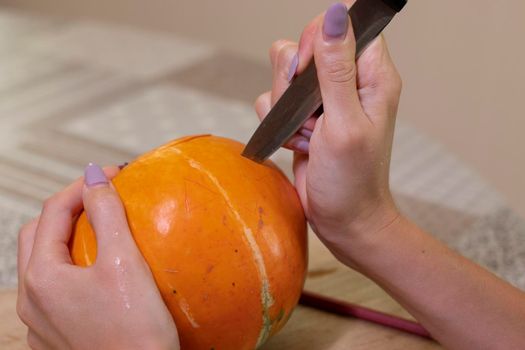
<point>378,220</point>
<point>370,233</point>
<point>376,248</point>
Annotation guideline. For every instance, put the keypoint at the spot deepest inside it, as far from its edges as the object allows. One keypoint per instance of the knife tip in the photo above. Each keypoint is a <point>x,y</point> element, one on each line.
<point>246,153</point>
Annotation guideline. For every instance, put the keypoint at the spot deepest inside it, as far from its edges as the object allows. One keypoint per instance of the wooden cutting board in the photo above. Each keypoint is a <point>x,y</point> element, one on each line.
<point>307,328</point>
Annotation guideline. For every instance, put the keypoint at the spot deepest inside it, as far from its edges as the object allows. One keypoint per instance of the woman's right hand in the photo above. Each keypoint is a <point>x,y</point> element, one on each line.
<point>341,171</point>
<point>342,158</point>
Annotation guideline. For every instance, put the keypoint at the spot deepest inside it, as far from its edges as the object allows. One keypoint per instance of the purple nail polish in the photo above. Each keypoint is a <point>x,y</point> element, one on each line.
<point>306,133</point>
<point>301,145</point>
<point>93,175</point>
<point>293,67</point>
<point>336,22</point>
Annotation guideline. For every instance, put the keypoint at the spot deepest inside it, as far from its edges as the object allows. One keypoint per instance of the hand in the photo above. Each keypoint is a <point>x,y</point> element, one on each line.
<point>113,304</point>
<point>341,166</point>
<point>342,158</point>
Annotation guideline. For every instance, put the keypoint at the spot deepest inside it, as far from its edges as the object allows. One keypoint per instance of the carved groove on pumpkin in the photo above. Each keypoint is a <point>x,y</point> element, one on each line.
<point>266,297</point>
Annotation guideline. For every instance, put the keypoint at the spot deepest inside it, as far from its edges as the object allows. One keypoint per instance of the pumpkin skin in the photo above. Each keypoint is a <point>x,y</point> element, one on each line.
<point>225,239</point>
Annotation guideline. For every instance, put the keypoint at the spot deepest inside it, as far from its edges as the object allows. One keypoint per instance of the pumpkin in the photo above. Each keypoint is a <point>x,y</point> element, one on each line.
<point>225,239</point>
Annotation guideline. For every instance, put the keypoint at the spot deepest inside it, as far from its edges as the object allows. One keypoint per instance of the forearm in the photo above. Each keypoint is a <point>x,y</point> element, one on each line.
<point>460,303</point>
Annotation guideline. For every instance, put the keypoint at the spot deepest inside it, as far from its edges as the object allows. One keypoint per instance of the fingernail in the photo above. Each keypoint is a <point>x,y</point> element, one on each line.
<point>301,145</point>
<point>306,133</point>
<point>336,21</point>
<point>93,175</point>
<point>122,166</point>
<point>293,67</point>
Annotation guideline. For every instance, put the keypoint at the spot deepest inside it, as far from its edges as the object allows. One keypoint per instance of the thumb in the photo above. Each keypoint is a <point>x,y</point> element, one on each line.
<point>334,53</point>
<point>107,217</point>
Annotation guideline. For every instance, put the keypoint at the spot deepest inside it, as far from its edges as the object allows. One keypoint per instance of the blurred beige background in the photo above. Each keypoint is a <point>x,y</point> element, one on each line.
<point>462,63</point>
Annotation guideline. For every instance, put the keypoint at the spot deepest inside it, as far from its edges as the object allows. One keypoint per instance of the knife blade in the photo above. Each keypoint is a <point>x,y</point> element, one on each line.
<point>303,97</point>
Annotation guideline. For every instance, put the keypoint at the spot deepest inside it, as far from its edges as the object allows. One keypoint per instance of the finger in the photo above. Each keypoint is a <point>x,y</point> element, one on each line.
<point>56,222</point>
<point>275,49</point>
<point>107,217</point>
<point>306,43</point>
<point>310,123</point>
<point>334,51</point>
<point>299,144</point>
<point>263,104</point>
<point>26,239</point>
<point>300,163</point>
<point>300,141</point>
<point>296,60</point>
<point>286,61</point>
<point>379,83</point>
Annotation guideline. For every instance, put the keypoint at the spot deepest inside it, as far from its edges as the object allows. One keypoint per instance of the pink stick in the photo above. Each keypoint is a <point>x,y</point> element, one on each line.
<point>346,309</point>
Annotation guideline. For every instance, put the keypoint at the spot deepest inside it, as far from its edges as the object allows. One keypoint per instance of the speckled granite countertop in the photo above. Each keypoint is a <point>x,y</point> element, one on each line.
<point>67,98</point>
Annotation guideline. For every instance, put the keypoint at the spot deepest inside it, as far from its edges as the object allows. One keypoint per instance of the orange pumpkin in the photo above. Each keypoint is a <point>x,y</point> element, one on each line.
<point>225,239</point>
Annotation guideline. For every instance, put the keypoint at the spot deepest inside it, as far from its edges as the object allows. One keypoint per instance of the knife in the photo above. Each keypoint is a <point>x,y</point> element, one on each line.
<point>303,97</point>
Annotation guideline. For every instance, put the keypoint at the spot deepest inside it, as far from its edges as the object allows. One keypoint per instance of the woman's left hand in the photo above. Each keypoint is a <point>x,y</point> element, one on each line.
<point>113,304</point>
